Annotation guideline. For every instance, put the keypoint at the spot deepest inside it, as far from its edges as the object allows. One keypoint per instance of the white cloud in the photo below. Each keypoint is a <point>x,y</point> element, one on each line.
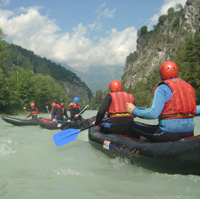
<point>167,4</point>
<point>105,12</point>
<point>38,33</point>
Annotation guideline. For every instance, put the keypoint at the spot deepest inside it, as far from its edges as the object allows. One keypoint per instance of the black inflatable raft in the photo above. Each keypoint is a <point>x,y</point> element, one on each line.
<point>181,157</point>
<point>19,122</point>
<point>49,124</point>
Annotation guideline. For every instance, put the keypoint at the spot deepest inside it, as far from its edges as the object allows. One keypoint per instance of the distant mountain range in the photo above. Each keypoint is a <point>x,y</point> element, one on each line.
<point>98,78</point>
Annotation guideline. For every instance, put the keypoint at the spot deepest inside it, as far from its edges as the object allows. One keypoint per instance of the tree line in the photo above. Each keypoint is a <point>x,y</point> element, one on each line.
<point>27,78</point>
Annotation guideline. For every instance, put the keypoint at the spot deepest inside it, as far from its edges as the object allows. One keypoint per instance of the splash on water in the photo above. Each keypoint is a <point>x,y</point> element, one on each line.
<point>5,148</point>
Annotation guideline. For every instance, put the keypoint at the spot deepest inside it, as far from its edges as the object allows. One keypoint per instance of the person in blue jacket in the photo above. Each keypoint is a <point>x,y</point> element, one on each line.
<point>174,104</point>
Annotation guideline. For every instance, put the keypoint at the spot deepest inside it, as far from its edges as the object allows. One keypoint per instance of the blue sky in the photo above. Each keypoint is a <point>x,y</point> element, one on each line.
<point>80,33</point>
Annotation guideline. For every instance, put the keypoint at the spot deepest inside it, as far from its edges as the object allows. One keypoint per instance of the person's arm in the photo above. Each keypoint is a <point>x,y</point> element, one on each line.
<point>28,110</point>
<point>103,108</point>
<point>162,94</point>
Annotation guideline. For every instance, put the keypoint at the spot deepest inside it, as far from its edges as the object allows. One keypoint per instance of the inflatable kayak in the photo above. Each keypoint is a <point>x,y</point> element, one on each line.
<point>19,122</point>
<point>49,124</point>
<point>180,157</point>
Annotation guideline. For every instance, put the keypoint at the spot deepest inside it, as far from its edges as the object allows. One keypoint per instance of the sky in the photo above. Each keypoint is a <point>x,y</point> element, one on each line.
<point>80,33</point>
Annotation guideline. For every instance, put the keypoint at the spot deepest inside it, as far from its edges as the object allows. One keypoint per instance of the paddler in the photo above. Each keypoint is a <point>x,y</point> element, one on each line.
<point>174,104</point>
<point>33,111</point>
<point>120,119</point>
<point>74,109</point>
<point>59,111</point>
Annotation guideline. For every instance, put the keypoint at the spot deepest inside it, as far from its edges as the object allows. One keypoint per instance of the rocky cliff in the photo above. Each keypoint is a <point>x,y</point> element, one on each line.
<point>160,44</point>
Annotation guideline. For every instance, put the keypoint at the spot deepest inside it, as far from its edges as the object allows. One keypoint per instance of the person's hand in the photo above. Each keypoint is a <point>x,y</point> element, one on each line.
<point>24,107</point>
<point>130,107</point>
<point>54,120</point>
<point>87,106</point>
<point>76,115</point>
<point>25,118</point>
<point>47,107</point>
<point>69,120</point>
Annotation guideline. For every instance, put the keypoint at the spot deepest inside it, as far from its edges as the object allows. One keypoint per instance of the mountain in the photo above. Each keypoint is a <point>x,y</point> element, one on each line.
<point>175,37</point>
<point>163,43</point>
<point>98,78</point>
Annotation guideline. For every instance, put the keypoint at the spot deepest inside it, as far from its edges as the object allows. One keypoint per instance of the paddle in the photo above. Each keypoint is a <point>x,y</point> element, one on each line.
<point>82,111</point>
<point>67,135</point>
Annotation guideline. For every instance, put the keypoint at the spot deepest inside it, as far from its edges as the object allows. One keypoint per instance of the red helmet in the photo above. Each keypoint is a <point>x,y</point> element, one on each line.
<point>32,105</point>
<point>53,104</point>
<point>115,85</point>
<point>168,70</point>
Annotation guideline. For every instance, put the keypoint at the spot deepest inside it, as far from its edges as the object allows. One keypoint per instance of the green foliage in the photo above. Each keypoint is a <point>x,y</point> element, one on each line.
<point>143,90</point>
<point>142,31</point>
<point>132,57</point>
<point>26,87</point>
<point>170,11</point>
<point>162,19</point>
<point>97,99</point>
<point>47,91</point>
<point>179,6</point>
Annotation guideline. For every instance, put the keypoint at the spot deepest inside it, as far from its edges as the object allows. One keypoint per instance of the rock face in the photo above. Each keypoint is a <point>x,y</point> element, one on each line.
<point>77,91</point>
<point>160,44</point>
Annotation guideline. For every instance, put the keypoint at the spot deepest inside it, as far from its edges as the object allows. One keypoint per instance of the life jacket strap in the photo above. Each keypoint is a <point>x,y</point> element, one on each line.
<point>177,115</point>
<point>120,114</point>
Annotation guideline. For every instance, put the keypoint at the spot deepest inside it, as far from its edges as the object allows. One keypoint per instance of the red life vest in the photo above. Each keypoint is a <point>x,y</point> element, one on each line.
<point>183,101</point>
<point>75,110</point>
<point>34,112</point>
<point>117,107</point>
<point>60,110</point>
<point>74,105</point>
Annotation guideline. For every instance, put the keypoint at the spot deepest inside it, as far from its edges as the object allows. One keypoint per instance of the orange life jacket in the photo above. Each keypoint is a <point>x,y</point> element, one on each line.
<point>74,105</point>
<point>182,104</point>
<point>34,112</point>
<point>117,107</point>
<point>60,110</point>
<point>75,110</point>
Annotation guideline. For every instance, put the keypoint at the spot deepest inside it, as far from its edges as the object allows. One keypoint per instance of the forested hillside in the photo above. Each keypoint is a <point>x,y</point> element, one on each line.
<point>176,37</point>
<point>26,77</point>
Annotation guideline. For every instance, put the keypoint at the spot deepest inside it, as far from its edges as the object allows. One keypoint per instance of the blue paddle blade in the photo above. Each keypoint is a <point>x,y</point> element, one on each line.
<point>65,136</point>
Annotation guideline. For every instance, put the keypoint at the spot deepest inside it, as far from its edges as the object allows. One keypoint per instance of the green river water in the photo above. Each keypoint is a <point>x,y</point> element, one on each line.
<point>33,167</point>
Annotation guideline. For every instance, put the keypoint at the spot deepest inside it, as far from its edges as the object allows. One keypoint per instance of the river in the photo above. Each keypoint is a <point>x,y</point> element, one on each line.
<point>33,167</point>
